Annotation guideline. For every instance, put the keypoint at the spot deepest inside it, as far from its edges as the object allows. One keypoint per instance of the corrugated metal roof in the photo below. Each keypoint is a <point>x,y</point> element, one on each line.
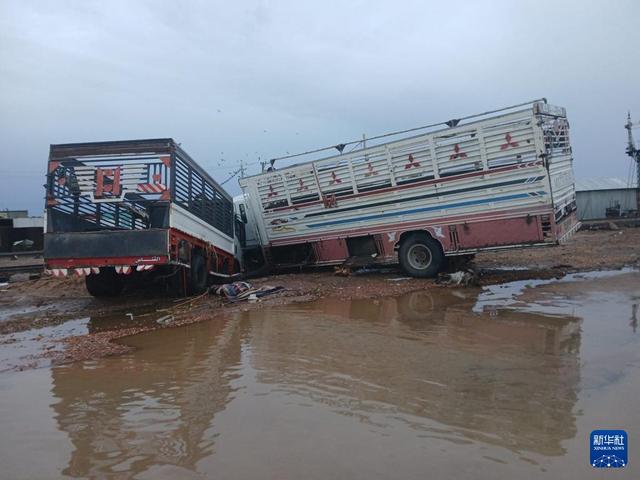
<point>602,184</point>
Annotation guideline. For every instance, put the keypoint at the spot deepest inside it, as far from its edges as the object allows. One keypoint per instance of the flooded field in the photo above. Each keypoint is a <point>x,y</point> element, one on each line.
<point>502,382</point>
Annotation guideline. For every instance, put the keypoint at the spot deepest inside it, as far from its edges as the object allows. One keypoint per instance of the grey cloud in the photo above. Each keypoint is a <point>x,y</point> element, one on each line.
<point>215,75</point>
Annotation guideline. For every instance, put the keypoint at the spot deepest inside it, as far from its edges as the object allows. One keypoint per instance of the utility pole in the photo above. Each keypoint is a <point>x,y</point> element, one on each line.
<point>242,168</point>
<point>634,153</point>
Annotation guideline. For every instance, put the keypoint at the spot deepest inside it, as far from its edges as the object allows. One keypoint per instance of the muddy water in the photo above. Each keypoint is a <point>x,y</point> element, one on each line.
<point>506,382</point>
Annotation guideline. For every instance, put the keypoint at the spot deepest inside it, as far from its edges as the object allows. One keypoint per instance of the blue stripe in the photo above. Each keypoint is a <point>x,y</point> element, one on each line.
<point>425,209</point>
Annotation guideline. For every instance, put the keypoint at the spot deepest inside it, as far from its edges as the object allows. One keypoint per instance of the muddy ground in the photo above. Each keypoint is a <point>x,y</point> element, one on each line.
<point>75,326</point>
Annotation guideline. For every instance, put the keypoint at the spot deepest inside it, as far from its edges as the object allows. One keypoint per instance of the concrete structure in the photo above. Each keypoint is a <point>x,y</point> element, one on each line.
<point>595,196</point>
<point>14,213</point>
<point>28,222</point>
<point>19,232</point>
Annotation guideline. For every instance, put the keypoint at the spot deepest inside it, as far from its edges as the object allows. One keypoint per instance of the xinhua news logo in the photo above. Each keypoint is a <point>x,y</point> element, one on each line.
<point>608,448</point>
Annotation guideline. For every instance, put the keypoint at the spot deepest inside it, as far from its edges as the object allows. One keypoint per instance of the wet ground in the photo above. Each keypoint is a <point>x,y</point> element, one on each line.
<point>504,381</point>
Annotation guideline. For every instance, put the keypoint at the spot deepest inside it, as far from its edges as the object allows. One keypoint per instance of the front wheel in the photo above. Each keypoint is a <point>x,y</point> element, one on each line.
<point>199,274</point>
<point>420,256</point>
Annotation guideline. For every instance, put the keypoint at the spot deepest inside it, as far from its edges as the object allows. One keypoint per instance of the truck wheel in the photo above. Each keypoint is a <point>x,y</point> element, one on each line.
<point>420,256</point>
<point>198,275</point>
<point>107,283</point>
<point>175,282</point>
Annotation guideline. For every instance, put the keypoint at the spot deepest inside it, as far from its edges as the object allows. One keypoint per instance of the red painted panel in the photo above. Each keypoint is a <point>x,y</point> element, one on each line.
<point>331,250</point>
<point>386,243</point>
<point>224,261</point>
<point>499,232</point>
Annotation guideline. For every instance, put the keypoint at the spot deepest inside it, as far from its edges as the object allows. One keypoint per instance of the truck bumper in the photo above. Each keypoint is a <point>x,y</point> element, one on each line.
<point>106,248</point>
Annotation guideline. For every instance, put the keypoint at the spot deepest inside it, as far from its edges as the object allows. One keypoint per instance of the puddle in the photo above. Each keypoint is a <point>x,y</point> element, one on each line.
<point>34,348</point>
<point>24,349</point>
<point>449,383</point>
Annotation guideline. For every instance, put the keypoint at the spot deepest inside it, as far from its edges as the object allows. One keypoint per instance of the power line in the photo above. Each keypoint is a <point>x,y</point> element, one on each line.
<point>232,176</point>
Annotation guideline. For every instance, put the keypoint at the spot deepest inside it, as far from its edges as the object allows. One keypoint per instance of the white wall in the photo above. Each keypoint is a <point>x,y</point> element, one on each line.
<point>592,204</point>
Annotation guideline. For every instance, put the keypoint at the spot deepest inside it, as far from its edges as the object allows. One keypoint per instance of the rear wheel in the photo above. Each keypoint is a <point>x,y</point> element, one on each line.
<point>107,283</point>
<point>177,281</point>
<point>198,274</point>
<point>420,255</point>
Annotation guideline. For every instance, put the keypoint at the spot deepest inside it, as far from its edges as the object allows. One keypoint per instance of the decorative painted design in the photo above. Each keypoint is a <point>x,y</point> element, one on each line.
<point>370,170</point>
<point>329,201</point>
<point>283,228</point>
<point>107,182</point>
<point>156,187</point>
<point>437,231</point>
<point>412,163</point>
<point>334,179</point>
<point>457,153</point>
<point>302,186</point>
<point>431,208</point>
<point>272,192</point>
<point>510,143</point>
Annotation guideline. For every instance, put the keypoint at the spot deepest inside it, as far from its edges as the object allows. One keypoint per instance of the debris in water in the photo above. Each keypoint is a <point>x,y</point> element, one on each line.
<point>462,277</point>
<point>166,320</point>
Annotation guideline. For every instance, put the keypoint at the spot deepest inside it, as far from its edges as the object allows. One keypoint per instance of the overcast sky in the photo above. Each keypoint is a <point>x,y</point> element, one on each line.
<point>232,80</point>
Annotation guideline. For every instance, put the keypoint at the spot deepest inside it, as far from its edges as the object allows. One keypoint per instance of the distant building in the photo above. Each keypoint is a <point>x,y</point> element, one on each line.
<point>14,213</point>
<point>606,198</point>
<point>20,232</point>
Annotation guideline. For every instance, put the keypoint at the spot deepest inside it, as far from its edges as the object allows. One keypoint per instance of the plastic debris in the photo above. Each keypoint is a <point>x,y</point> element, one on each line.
<point>238,291</point>
<point>462,277</point>
<point>166,320</point>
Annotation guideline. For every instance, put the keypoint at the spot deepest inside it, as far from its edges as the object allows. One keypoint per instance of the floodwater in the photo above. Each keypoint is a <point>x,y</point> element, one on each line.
<point>505,382</point>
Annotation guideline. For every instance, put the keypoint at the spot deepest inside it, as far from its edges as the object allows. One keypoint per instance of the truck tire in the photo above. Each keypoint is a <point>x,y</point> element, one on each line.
<point>107,283</point>
<point>175,281</point>
<point>198,275</point>
<point>420,256</point>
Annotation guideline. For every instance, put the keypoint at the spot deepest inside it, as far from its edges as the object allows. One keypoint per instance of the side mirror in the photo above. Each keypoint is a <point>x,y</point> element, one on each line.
<point>243,213</point>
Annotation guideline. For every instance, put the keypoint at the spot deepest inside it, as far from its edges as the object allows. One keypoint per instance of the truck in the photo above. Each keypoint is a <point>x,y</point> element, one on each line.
<point>496,180</point>
<point>139,208</point>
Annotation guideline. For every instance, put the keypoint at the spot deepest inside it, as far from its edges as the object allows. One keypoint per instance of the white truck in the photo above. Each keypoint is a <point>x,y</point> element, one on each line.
<point>502,179</point>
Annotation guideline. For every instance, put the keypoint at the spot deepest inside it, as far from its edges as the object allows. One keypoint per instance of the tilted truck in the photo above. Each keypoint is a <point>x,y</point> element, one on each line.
<point>498,180</point>
<point>141,208</point>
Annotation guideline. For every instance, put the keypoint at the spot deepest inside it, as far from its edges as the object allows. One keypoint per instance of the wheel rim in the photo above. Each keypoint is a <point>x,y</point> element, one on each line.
<point>419,257</point>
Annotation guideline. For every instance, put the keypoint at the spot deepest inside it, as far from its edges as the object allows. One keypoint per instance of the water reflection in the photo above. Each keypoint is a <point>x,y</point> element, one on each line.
<point>424,360</point>
<point>151,408</point>
<point>506,378</point>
